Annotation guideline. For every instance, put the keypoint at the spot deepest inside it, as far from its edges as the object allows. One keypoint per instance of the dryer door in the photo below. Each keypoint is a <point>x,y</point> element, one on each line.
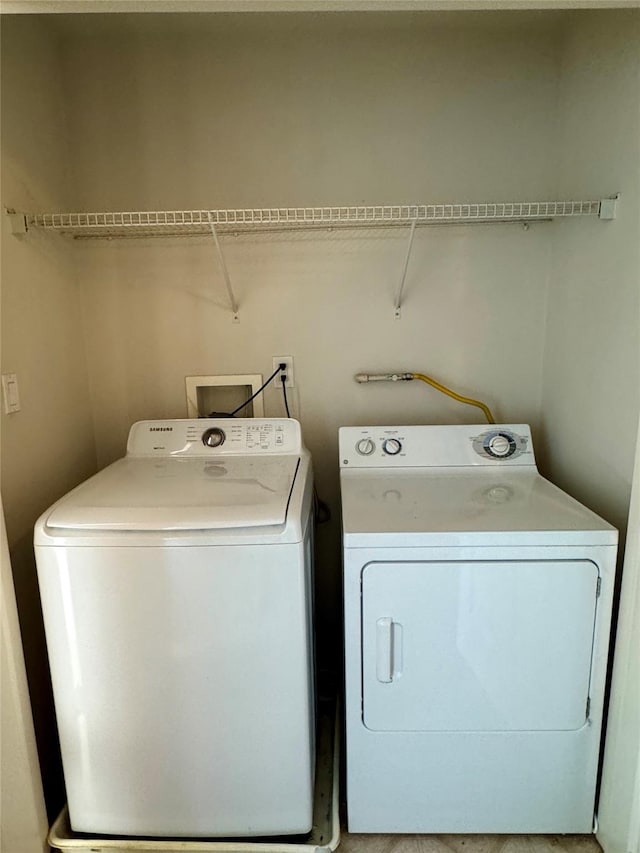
<point>477,646</point>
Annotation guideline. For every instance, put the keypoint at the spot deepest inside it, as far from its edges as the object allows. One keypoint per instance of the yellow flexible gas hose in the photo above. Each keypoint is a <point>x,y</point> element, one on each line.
<point>458,397</point>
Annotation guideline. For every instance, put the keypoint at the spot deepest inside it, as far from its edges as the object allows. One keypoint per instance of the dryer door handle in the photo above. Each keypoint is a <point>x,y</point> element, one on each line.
<point>384,649</point>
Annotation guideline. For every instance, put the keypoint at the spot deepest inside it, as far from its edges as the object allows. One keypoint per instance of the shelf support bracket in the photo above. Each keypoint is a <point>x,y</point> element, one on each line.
<point>225,271</point>
<point>18,221</point>
<point>608,207</point>
<point>398,305</point>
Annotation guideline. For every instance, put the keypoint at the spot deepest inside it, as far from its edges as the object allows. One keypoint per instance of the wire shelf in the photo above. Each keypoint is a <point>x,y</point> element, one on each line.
<point>194,222</point>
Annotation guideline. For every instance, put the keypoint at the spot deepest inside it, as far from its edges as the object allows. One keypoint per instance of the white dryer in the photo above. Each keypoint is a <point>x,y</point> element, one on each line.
<point>176,591</point>
<point>477,605</point>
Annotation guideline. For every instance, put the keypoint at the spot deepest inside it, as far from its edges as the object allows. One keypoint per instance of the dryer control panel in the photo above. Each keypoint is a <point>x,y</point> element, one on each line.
<point>215,437</point>
<point>501,443</point>
<point>435,446</point>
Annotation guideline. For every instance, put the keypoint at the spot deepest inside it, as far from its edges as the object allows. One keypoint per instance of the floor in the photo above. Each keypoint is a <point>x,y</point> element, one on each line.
<point>468,844</point>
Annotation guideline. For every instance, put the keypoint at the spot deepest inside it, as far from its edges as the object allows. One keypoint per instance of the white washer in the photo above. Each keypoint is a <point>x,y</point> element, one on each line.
<point>176,591</point>
<point>477,605</point>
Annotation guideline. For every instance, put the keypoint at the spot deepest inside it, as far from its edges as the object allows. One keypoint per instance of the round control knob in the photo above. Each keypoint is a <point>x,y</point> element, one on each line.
<point>365,446</point>
<point>500,445</point>
<point>213,437</point>
<point>391,446</point>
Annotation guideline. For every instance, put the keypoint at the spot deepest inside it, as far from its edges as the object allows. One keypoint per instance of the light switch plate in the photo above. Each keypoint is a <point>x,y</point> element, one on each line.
<point>10,395</point>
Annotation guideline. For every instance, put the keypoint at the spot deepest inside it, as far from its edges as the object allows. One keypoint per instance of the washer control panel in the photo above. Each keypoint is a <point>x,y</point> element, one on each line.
<point>214,436</point>
<point>435,446</point>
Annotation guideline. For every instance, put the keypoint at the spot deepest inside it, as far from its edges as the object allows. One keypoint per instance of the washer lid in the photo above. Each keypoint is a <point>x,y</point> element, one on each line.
<point>181,494</point>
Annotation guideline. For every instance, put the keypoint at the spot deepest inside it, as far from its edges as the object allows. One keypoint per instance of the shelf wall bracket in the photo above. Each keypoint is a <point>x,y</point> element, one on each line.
<point>225,271</point>
<point>609,207</point>
<point>18,221</point>
<point>397,310</point>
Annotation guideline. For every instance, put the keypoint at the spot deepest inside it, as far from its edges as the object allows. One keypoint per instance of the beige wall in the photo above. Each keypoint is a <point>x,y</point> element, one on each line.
<point>591,390</point>
<point>232,112</point>
<point>49,446</point>
<point>269,110</point>
<point>162,112</point>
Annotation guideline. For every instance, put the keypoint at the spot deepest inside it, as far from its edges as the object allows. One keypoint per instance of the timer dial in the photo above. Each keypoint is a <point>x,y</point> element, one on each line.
<point>500,445</point>
<point>214,437</point>
<point>365,446</point>
<point>391,446</point>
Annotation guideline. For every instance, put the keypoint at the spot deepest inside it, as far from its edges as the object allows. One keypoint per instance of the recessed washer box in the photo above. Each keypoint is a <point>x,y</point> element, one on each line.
<point>222,394</point>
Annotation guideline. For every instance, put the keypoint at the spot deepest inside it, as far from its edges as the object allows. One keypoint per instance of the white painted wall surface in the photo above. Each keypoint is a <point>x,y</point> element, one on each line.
<point>23,818</point>
<point>619,806</point>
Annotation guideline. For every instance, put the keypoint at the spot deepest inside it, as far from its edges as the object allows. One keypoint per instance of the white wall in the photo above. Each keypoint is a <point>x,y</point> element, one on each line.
<point>619,806</point>
<point>49,446</point>
<point>23,819</point>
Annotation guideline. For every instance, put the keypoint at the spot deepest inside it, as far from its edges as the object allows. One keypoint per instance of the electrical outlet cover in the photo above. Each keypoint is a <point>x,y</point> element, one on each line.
<point>288,360</point>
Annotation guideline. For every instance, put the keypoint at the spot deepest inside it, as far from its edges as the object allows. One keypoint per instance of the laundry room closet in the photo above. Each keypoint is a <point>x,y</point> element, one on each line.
<point>217,111</point>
